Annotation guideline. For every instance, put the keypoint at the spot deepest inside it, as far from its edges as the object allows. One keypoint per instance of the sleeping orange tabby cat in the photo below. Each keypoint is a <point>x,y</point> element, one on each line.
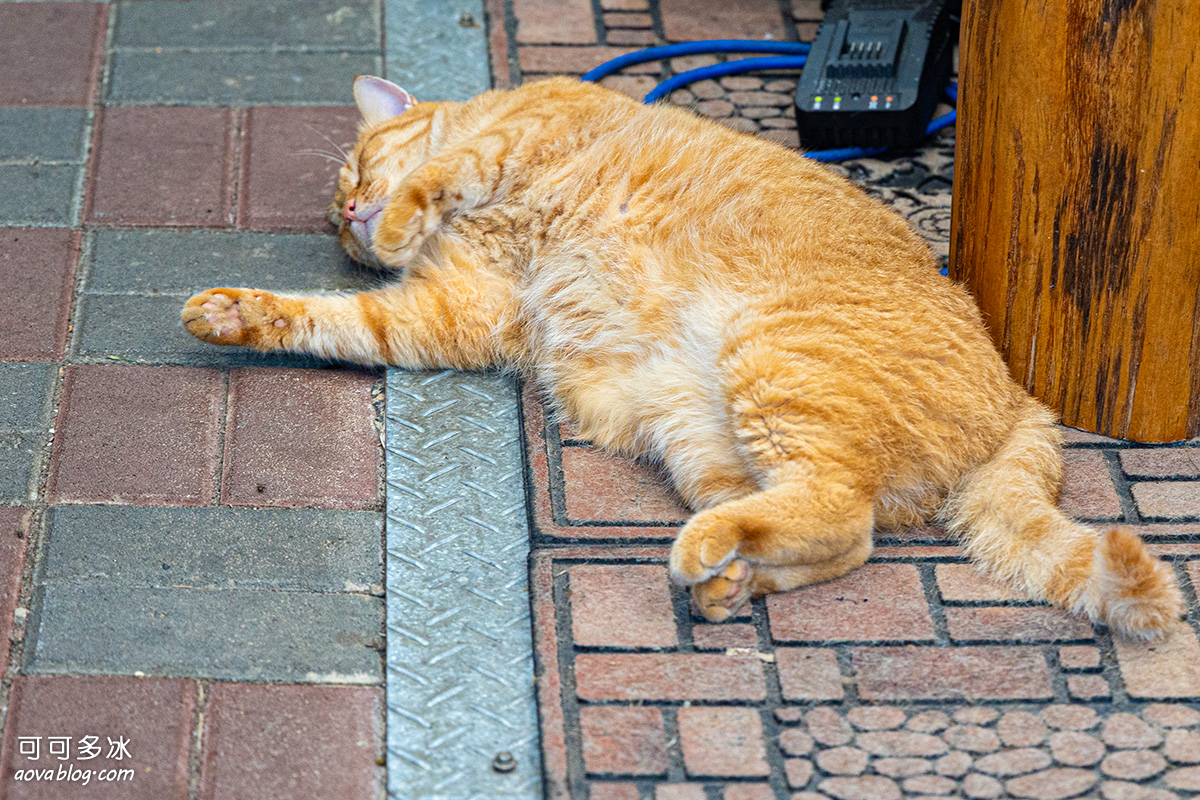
<point>780,341</point>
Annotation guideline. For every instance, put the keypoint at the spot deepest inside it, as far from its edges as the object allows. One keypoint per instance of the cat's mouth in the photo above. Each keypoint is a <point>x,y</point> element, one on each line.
<point>364,222</point>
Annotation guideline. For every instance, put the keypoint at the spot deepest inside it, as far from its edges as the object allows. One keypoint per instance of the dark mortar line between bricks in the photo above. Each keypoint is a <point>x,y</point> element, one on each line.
<point>381,19</point>
<point>47,162</point>
<point>528,486</point>
<point>572,729</point>
<point>819,644</point>
<point>223,412</point>
<point>1176,478</point>
<point>598,26</point>
<point>515,75</point>
<point>774,699</point>
<point>789,21</point>
<point>234,104</point>
<point>681,609</point>
<point>656,25</point>
<point>1129,510</point>
<point>933,602</point>
<point>555,481</point>
<point>236,166</point>
<point>235,587</point>
<point>1058,681</point>
<point>95,118</point>
<point>1110,670</point>
<point>676,773</point>
<point>567,522</point>
<point>846,672</point>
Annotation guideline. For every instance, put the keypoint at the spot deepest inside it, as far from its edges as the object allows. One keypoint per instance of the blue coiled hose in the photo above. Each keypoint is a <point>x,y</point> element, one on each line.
<point>785,55</point>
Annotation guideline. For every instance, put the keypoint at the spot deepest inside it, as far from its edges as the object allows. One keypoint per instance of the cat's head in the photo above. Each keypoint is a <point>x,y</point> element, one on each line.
<point>393,140</point>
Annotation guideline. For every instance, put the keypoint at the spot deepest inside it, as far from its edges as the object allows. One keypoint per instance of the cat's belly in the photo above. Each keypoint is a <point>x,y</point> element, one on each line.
<point>632,385</point>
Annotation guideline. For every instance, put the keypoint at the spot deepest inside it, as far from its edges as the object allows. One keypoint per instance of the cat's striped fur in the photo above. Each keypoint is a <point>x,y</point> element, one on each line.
<point>783,343</point>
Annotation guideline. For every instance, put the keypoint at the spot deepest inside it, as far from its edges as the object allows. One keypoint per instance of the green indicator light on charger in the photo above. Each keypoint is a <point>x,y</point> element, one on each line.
<point>837,99</point>
<point>818,99</point>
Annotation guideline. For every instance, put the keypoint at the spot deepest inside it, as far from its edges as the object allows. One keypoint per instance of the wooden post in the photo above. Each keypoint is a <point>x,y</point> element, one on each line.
<point>1076,220</point>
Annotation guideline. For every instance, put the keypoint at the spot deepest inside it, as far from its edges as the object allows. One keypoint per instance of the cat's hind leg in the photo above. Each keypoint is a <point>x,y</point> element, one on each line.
<point>805,527</point>
<point>720,596</point>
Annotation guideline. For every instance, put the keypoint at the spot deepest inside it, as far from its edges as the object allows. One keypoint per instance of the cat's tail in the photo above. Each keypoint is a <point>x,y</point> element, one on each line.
<point>1004,511</point>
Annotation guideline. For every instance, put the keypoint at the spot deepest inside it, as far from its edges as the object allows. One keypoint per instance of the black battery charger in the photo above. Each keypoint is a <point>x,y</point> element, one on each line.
<point>876,72</point>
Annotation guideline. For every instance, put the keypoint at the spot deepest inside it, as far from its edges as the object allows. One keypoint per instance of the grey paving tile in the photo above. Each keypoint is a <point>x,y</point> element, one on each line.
<point>101,628</point>
<point>42,134</point>
<point>24,389</point>
<point>18,459</point>
<point>215,78</point>
<point>291,23</point>
<point>24,424</point>
<point>431,55</point>
<point>147,329</point>
<point>316,550</point>
<point>37,194</point>
<point>185,262</point>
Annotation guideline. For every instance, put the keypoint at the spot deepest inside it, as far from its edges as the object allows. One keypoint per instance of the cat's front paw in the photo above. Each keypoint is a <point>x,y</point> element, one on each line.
<point>238,317</point>
<point>407,222</point>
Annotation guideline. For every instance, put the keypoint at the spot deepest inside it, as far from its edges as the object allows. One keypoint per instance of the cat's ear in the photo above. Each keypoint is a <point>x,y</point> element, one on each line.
<point>378,99</point>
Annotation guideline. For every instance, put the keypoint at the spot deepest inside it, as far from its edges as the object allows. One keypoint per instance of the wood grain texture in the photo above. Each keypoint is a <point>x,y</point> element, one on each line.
<point>1076,220</point>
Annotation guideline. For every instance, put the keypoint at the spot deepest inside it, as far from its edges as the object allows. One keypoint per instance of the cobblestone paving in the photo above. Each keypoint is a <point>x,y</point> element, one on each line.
<point>914,676</point>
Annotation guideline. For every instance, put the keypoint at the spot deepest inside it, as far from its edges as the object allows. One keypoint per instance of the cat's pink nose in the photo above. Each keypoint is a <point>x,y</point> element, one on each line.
<point>348,211</point>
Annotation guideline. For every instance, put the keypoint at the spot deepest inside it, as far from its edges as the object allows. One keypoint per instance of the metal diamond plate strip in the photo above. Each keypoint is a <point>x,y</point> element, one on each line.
<point>460,685</point>
<point>437,50</point>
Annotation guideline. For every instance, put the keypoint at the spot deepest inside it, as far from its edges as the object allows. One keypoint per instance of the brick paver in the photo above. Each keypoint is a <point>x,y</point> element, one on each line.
<point>155,717</point>
<point>878,601</point>
<point>134,434</point>
<point>599,486</point>
<point>14,535</point>
<point>32,73</point>
<point>138,175</point>
<point>300,438</point>
<point>38,266</point>
<point>288,174</point>
<point>636,594</point>
<point>738,19</point>
<point>24,424</point>
<point>623,741</point>
<point>274,742</point>
<point>1088,490</point>
<point>208,592</point>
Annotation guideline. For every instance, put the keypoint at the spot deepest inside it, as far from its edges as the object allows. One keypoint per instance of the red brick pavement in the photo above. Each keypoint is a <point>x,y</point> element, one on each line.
<point>914,676</point>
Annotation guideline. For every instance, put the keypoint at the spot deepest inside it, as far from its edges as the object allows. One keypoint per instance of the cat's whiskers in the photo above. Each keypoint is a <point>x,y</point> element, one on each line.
<point>336,146</point>
<point>322,154</point>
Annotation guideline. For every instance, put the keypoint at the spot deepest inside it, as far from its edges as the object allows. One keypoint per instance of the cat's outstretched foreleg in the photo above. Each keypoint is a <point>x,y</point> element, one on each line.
<point>417,324</point>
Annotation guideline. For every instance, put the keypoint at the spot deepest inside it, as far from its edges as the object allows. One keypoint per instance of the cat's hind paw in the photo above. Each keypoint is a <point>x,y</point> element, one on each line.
<point>718,598</point>
<point>238,317</point>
